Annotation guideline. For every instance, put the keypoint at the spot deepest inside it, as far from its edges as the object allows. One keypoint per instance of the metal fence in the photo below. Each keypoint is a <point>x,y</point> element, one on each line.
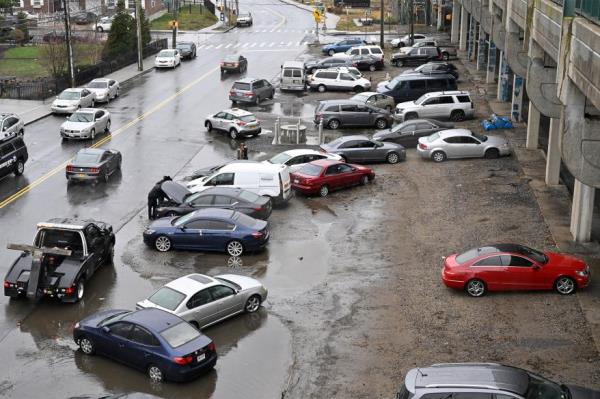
<point>42,88</point>
<point>589,9</point>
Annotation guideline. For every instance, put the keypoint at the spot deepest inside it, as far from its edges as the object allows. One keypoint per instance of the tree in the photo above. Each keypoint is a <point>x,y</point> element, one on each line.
<point>22,26</point>
<point>145,27</point>
<point>121,38</point>
<point>54,57</point>
<point>7,5</point>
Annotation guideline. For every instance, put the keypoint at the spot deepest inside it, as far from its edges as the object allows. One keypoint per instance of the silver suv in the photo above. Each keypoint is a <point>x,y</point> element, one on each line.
<point>236,122</point>
<point>251,90</point>
<point>483,381</point>
<point>244,19</point>
<point>454,105</point>
<point>11,125</point>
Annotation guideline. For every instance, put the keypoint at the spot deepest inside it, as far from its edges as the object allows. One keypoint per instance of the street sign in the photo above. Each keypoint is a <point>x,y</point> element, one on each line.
<point>173,23</point>
<point>317,15</point>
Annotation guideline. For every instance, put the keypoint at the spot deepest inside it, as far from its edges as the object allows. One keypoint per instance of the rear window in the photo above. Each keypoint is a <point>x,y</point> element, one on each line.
<point>464,99</point>
<point>86,158</point>
<point>247,118</point>
<point>376,50</point>
<point>180,334</point>
<point>167,298</point>
<point>248,196</point>
<point>311,170</point>
<point>332,108</point>
<point>244,220</point>
<point>241,86</point>
<point>433,137</point>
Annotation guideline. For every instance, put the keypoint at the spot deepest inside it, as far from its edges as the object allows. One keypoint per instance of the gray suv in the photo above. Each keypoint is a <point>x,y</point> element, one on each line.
<point>483,381</point>
<point>11,125</point>
<point>251,90</point>
<point>336,113</point>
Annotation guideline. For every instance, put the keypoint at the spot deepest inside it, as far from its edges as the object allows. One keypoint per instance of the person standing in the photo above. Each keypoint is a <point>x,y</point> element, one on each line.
<point>156,196</point>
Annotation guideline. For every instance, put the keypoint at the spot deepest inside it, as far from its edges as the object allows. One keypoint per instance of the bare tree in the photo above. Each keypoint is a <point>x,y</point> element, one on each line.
<point>54,57</point>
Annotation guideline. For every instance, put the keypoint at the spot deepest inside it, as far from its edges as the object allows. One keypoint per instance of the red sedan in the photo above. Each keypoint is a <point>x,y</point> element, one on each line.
<point>512,267</point>
<point>322,176</point>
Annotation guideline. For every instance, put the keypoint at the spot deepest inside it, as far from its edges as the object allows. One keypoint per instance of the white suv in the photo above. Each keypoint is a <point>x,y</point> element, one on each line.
<point>405,40</point>
<point>454,105</point>
<point>373,51</point>
<point>337,79</point>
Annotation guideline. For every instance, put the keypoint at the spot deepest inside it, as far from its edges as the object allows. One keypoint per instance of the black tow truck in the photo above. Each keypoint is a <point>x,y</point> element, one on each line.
<point>64,254</point>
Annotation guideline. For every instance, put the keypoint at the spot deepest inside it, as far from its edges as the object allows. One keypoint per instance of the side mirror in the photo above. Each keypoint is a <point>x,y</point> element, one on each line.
<point>106,329</point>
<point>536,268</point>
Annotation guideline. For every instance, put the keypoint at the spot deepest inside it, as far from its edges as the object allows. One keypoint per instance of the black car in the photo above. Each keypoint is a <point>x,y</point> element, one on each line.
<point>330,62</point>
<point>13,155</point>
<point>182,201</point>
<point>234,63</point>
<point>91,244</point>
<point>367,63</point>
<point>434,68</point>
<point>416,56</point>
<point>408,133</point>
<point>94,164</point>
<point>187,50</point>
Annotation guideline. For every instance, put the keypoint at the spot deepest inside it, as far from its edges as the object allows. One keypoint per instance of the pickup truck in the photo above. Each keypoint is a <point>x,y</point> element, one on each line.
<point>448,51</point>
<point>65,253</point>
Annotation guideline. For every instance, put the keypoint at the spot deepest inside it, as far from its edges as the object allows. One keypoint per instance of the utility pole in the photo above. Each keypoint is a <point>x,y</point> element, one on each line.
<point>175,11</point>
<point>411,17</point>
<point>138,25</point>
<point>381,16</point>
<point>69,44</point>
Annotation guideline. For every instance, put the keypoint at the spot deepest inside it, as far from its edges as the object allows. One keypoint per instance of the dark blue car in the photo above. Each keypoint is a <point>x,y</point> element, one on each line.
<point>159,343</point>
<point>208,229</point>
<point>341,46</point>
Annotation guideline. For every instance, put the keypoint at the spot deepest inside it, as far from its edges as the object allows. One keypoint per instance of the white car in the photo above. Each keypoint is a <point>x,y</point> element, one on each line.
<point>70,100</point>
<point>337,79</point>
<point>105,89</point>
<point>104,24</point>
<point>295,159</point>
<point>373,51</point>
<point>405,40</point>
<point>85,124</point>
<point>454,105</point>
<point>28,15</point>
<point>169,58</point>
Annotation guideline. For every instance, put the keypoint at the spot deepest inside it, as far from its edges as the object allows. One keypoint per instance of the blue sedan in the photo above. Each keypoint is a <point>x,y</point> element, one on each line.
<point>154,341</point>
<point>208,229</point>
<point>341,46</point>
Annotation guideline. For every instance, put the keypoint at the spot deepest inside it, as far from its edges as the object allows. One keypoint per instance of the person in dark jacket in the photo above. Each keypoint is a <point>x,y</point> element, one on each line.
<point>156,196</point>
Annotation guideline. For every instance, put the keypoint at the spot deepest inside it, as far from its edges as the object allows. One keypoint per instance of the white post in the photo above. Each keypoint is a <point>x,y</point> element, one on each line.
<point>276,132</point>
<point>582,211</point>
<point>464,25</point>
<point>321,131</point>
<point>553,154</point>
<point>533,127</point>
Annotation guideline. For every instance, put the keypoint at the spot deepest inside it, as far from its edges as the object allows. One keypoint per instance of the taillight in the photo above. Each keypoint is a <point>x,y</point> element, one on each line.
<point>258,208</point>
<point>183,360</point>
<point>211,347</point>
<point>422,146</point>
<point>231,93</point>
<point>70,168</point>
<point>6,284</point>
<point>257,235</point>
<point>240,123</point>
<point>69,290</point>
<point>94,170</point>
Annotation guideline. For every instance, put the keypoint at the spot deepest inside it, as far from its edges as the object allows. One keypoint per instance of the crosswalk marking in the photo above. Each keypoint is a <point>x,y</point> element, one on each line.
<point>253,44</point>
<point>272,44</point>
<point>219,46</point>
<point>245,45</point>
<point>229,45</point>
<point>209,46</point>
<point>237,45</point>
<point>201,46</point>
<point>262,44</point>
<point>289,44</point>
<point>257,44</point>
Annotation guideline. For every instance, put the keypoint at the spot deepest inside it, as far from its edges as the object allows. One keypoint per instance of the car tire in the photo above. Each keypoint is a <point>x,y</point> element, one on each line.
<point>372,68</point>
<point>155,374</point>
<point>331,53</point>
<point>86,345</point>
<point>333,124</point>
<point>106,176</point>
<point>162,244</point>
<point>208,126</point>
<point>364,180</point>
<point>234,248</point>
<point>321,88</point>
<point>252,304</point>
<point>92,104</point>
<point>438,156</point>
<point>110,256</point>
<point>392,158</point>
<point>107,128</point>
<point>99,29</point>
<point>398,63</point>
<point>358,89</point>
<point>381,123</point>
<point>411,115</point>
<point>492,153</point>
<point>80,289</point>
<point>324,191</point>
<point>475,288</point>
<point>233,134</point>
<point>195,325</point>
<point>401,44</point>
<point>457,115</point>
<point>117,93</point>
<point>93,134</point>
<point>565,285</point>
<point>19,167</point>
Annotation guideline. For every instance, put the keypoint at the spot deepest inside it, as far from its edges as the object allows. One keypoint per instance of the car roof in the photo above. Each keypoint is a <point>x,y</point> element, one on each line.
<point>293,64</point>
<point>501,247</point>
<point>89,110</point>
<point>214,212</point>
<point>191,283</point>
<point>75,89</point>
<point>238,112</point>
<point>455,132</point>
<point>100,80</point>
<point>153,319</point>
<point>447,93</point>
<point>66,223</point>
<point>419,76</point>
<point>344,139</point>
<point>324,162</point>
<point>300,151</point>
<point>233,191</point>
<point>477,375</point>
<point>190,43</point>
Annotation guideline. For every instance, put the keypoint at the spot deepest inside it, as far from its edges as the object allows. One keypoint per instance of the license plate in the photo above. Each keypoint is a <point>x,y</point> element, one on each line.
<point>80,174</point>
<point>201,357</point>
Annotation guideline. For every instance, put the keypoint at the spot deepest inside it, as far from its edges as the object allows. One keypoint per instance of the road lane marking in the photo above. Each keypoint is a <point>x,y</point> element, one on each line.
<point>209,46</point>
<point>289,44</point>
<point>272,44</point>
<point>262,44</point>
<point>237,45</point>
<point>10,199</point>
<point>245,44</point>
<point>253,45</point>
<point>201,46</point>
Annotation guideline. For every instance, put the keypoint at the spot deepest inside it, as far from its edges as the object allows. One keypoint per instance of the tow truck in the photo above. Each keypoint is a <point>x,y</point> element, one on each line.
<point>64,255</point>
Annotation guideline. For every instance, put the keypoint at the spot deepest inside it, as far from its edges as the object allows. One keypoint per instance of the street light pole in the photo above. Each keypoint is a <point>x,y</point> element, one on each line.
<point>381,44</point>
<point>138,23</point>
<point>69,44</point>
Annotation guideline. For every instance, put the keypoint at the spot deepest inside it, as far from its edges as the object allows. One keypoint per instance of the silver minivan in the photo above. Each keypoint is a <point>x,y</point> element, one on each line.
<point>293,76</point>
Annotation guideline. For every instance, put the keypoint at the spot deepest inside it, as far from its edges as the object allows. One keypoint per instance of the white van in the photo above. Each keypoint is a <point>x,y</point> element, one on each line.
<point>262,179</point>
<point>293,76</point>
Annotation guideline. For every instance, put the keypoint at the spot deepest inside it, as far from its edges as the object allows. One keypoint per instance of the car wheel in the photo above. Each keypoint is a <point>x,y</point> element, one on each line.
<point>364,180</point>
<point>322,88</point>
<point>92,104</point>
<point>492,153</point>
<point>324,191</point>
<point>80,289</point>
<point>475,288</point>
<point>565,285</point>
<point>110,256</point>
<point>398,63</point>
<point>401,44</point>
<point>381,123</point>
<point>162,244</point>
<point>331,53</point>
<point>208,126</point>
<point>93,134</point>
<point>445,56</point>
<point>252,304</point>
<point>155,373</point>
<point>438,156</point>
<point>372,68</point>
<point>457,116</point>
<point>410,115</point>
<point>392,158</point>
<point>99,29</point>
<point>117,93</point>
<point>359,89</point>
<point>19,168</point>
<point>107,128</point>
<point>235,248</point>
<point>257,101</point>
<point>333,124</point>
<point>233,134</point>
<point>195,325</point>
<point>86,345</point>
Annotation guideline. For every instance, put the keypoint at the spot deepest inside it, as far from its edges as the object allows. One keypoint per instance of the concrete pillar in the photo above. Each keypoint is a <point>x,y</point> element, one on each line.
<point>517,99</point>
<point>491,66</point>
<point>472,38</point>
<point>464,26</point>
<point>504,73</point>
<point>454,32</point>
<point>482,51</point>
<point>440,15</point>
<point>553,153</point>
<point>582,211</point>
<point>533,127</point>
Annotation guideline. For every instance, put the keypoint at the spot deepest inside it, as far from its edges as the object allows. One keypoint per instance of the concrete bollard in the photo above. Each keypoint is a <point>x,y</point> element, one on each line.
<point>321,131</point>
<point>276,132</point>
<point>298,132</point>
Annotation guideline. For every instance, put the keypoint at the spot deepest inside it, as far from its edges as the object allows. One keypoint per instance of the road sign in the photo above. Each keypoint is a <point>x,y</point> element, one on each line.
<point>173,23</point>
<point>317,15</point>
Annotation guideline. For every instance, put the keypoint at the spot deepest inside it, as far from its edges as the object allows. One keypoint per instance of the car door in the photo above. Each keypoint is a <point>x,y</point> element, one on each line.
<point>351,150</point>
<point>200,202</point>
<point>332,178</point>
<point>406,136</point>
<point>115,342</point>
<point>267,89</point>
<point>345,81</point>
<point>492,272</point>
<point>226,301</point>
<point>453,146</point>
<point>218,120</point>
<point>87,98</point>
<point>471,147</point>
<point>369,151</point>
<point>191,235</point>
<point>95,244</point>
<point>348,114</point>
<point>522,273</point>
<point>365,116</point>
<point>105,163</point>
<point>218,232</point>
<point>346,175</point>
<point>99,122</point>
<point>141,348</point>
<point>200,308</point>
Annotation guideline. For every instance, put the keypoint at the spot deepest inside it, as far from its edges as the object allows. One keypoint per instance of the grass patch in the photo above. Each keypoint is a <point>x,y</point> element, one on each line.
<point>198,19</point>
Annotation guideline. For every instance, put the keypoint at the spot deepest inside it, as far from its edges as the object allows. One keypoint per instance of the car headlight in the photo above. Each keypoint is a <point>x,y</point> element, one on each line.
<point>582,273</point>
<point>149,231</point>
<point>85,130</point>
<point>76,325</point>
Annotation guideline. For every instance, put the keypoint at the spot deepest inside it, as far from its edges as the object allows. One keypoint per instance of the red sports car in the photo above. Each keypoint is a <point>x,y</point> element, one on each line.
<point>512,267</point>
<point>322,176</point>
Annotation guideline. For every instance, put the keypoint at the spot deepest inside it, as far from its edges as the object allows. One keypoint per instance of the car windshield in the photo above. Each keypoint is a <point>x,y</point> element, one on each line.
<point>231,58</point>
<point>541,388</point>
<point>229,283</point>
<point>280,158</point>
<point>113,318</point>
<point>433,137</point>
<point>419,100</point>
<point>166,53</point>
<point>480,137</point>
<point>167,298</point>
<point>98,85</point>
<point>311,170</point>
<point>248,196</point>
<point>180,334</point>
<point>57,238</point>
<point>69,95</point>
<point>86,158</point>
<point>81,117</point>
<point>393,83</point>
<point>182,220</point>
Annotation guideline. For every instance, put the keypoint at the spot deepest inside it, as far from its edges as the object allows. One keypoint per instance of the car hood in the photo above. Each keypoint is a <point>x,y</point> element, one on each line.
<point>146,303</point>
<point>583,393</point>
<point>76,125</point>
<point>65,102</point>
<point>243,281</point>
<point>175,191</point>
<point>162,222</point>
<point>563,261</point>
<point>311,64</point>
<point>165,58</point>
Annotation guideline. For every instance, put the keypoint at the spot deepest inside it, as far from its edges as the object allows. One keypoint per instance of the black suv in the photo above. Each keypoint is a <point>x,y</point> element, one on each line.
<point>13,155</point>
<point>416,56</point>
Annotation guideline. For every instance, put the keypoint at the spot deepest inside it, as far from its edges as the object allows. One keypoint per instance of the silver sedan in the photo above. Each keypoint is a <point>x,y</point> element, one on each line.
<point>104,89</point>
<point>85,124</point>
<point>461,143</point>
<point>203,301</point>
